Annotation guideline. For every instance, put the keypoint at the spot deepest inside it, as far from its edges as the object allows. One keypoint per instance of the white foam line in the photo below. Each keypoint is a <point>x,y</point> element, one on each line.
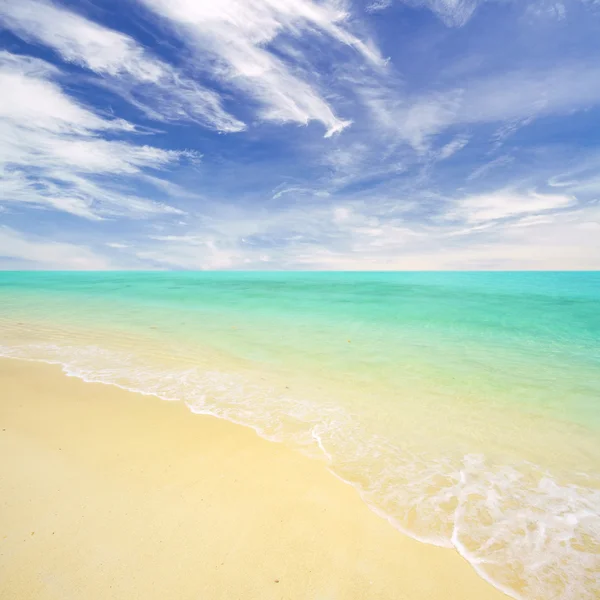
<point>464,553</point>
<point>461,549</point>
<point>440,543</point>
<point>206,412</point>
<point>319,441</point>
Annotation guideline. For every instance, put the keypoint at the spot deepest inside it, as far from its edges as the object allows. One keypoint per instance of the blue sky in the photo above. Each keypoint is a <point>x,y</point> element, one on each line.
<point>300,134</point>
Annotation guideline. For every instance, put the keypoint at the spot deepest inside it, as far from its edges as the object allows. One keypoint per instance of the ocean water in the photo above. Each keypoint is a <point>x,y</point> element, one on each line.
<point>463,407</point>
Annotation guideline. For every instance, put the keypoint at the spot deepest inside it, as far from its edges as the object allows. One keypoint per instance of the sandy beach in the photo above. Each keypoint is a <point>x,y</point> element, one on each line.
<point>110,494</point>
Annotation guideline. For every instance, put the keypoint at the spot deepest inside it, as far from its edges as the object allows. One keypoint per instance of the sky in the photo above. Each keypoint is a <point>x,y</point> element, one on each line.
<point>300,134</point>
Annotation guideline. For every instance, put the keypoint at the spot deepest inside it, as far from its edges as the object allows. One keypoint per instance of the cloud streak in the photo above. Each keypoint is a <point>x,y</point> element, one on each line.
<point>454,13</point>
<point>505,204</point>
<point>240,35</point>
<point>513,99</point>
<point>51,154</point>
<point>151,84</point>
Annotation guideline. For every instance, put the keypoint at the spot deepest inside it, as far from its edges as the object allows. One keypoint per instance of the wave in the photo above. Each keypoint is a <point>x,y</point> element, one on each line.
<point>530,535</point>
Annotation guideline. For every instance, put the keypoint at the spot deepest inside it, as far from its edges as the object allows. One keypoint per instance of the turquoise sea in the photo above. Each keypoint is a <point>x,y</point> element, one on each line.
<point>463,407</point>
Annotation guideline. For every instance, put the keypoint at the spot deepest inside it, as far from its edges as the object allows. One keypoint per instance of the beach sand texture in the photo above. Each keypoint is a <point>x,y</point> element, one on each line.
<point>110,494</point>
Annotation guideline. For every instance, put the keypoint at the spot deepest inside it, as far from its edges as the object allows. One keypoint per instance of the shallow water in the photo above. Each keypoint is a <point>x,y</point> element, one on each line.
<point>464,407</point>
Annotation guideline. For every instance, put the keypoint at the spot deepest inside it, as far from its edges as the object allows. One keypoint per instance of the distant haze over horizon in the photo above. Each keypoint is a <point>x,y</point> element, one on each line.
<point>300,135</point>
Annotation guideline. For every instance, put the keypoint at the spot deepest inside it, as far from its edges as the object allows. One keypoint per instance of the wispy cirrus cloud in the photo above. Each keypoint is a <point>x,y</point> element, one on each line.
<point>454,13</point>
<point>241,36</point>
<point>511,99</point>
<point>457,13</point>
<point>504,204</point>
<point>581,178</point>
<point>25,80</point>
<point>153,85</point>
<point>485,168</point>
<point>51,152</point>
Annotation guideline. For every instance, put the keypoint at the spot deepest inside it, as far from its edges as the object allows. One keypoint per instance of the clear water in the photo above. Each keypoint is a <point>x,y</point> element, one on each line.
<point>464,407</point>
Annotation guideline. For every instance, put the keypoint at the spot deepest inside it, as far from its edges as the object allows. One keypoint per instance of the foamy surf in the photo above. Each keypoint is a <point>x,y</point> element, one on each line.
<point>528,532</point>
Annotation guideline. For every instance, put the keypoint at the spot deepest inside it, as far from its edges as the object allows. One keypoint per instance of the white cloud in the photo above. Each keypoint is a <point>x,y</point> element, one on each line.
<point>426,117</point>
<point>513,99</point>
<point>31,251</point>
<point>582,180</point>
<point>506,204</point>
<point>185,239</point>
<point>454,13</point>
<point>501,230</point>
<point>194,252</point>
<point>589,186</point>
<point>378,5</point>
<point>412,120</point>
<point>451,148</point>
<point>51,152</point>
<point>299,191</point>
<point>238,34</point>
<point>25,81</point>
<point>484,169</point>
<point>148,82</point>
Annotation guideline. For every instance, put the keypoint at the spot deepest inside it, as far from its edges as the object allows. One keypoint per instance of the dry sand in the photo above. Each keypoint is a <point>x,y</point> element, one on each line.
<point>107,494</point>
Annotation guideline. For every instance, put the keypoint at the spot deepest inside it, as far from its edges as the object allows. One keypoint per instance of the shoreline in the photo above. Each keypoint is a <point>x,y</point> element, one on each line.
<point>116,495</point>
